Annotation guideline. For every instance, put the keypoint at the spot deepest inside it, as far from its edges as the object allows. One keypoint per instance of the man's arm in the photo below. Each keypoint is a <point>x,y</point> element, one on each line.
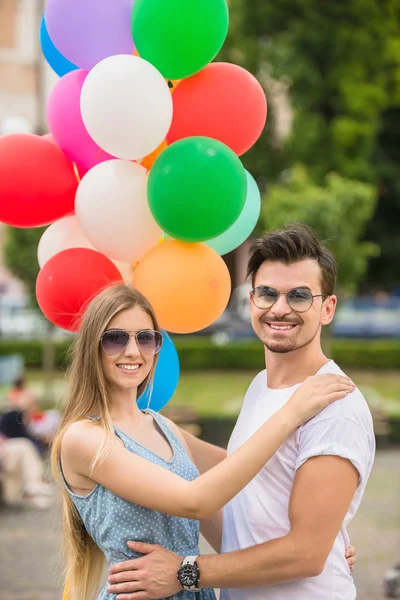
<point>321,495</point>
<point>205,455</point>
<point>211,530</point>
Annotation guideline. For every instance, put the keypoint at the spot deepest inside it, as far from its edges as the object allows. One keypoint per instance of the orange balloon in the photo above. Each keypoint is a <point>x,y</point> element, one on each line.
<point>148,161</point>
<point>188,285</point>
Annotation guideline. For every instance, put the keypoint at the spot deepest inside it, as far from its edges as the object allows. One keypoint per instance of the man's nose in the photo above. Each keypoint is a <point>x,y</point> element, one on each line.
<point>281,306</point>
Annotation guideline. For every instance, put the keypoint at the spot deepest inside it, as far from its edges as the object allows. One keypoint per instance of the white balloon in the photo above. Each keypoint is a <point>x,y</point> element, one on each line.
<point>61,235</point>
<point>67,233</point>
<point>126,106</point>
<point>112,209</point>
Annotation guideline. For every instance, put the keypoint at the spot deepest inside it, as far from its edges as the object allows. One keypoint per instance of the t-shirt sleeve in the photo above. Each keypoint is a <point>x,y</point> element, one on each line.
<point>335,436</point>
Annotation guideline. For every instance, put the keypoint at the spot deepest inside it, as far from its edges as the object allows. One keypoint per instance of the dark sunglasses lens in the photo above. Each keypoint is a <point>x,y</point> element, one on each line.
<point>114,342</point>
<point>300,300</point>
<point>149,341</point>
<point>264,297</point>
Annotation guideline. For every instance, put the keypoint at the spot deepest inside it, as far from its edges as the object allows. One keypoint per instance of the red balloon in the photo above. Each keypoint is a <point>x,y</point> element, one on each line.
<point>37,181</point>
<point>224,102</point>
<point>69,280</point>
<point>79,173</point>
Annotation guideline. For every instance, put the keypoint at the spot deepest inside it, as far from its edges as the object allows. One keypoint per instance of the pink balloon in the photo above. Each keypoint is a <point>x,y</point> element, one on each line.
<point>66,124</point>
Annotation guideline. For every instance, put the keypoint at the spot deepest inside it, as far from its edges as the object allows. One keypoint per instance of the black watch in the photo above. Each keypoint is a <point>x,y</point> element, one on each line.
<point>189,574</point>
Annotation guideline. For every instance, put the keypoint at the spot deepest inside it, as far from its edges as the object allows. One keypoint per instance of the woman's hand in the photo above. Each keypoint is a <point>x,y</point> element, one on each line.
<point>316,393</point>
<point>351,557</point>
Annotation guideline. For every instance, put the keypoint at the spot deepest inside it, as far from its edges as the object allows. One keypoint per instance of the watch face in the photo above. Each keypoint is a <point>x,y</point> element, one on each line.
<point>188,575</point>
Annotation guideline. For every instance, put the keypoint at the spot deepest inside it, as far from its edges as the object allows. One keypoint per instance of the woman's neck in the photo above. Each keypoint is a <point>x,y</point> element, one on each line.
<point>124,406</point>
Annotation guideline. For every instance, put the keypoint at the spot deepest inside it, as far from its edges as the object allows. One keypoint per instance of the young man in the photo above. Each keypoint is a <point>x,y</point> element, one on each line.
<point>284,535</point>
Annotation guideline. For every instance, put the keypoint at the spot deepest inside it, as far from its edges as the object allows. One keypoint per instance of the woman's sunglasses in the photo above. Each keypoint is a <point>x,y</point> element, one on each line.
<point>114,341</point>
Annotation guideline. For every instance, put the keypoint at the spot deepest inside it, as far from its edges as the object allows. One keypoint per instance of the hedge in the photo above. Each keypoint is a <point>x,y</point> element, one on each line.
<point>32,351</point>
<point>198,353</point>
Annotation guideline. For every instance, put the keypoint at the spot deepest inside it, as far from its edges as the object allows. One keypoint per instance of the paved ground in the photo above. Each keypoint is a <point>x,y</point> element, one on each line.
<point>28,541</point>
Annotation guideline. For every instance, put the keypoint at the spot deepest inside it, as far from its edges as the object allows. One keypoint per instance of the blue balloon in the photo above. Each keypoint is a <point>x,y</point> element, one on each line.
<point>166,378</point>
<point>55,59</point>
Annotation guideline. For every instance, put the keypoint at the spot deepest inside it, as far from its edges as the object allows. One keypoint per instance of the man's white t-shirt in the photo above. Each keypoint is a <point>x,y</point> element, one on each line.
<point>259,513</point>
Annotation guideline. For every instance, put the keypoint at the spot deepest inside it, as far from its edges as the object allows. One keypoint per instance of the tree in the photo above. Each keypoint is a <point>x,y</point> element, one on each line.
<point>341,64</point>
<point>20,256</point>
<point>338,211</point>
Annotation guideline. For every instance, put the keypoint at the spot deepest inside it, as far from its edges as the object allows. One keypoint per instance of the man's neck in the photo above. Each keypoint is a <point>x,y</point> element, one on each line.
<point>285,370</point>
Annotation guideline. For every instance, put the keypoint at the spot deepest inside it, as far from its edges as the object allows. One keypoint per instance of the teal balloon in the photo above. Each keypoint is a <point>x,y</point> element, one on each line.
<point>245,224</point>
<point>196,189</point>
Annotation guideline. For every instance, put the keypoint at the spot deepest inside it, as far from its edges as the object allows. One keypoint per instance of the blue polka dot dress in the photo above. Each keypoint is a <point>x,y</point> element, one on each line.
<point>112,521</point>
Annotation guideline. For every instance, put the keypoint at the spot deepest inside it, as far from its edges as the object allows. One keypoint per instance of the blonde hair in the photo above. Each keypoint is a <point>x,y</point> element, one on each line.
<point>89,395</point>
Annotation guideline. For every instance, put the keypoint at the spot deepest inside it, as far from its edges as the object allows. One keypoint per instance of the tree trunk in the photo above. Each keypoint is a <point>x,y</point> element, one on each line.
<point>48,365</point>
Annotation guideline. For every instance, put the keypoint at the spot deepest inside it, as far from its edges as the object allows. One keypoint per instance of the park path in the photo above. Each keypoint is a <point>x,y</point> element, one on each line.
<point>28,540</point>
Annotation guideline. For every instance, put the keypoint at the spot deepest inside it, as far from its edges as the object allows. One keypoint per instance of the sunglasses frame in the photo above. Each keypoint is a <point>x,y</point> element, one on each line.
<point>130,334</point>
<point>252,293</point>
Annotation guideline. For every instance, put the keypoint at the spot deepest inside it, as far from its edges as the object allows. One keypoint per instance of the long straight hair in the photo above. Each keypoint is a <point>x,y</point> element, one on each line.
<point>88,395</point>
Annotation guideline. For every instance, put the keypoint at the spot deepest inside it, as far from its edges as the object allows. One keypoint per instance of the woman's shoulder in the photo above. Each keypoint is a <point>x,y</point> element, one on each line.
<point>81,437</point>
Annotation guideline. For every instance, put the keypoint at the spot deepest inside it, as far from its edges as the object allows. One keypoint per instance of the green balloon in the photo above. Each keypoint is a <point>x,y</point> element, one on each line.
<point>238,233</point>
<point>179,37</point>
<point>196,189</point>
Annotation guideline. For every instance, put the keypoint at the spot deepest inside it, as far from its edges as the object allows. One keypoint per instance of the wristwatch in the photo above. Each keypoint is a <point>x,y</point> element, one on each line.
<point>189,574</point>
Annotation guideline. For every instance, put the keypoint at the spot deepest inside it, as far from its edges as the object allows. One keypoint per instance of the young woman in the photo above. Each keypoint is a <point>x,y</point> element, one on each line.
<point>125,473</point>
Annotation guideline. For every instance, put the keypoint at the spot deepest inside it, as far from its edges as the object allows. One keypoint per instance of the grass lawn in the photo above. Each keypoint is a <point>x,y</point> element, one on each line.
<point>220,393</point>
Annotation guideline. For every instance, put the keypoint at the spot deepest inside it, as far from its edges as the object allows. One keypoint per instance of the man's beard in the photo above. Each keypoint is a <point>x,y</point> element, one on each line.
<point>289,346</point>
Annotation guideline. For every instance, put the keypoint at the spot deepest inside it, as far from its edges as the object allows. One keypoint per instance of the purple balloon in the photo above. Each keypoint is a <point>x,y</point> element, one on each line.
<point>87,31</point>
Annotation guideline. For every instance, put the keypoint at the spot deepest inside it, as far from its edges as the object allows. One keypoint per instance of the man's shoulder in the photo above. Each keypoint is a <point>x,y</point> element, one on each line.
<point>258,383</point>
<point>353,407</point>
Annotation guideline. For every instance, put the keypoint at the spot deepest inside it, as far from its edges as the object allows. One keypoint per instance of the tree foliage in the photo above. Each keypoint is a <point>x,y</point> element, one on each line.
<point>341,64</point>
<point>20,256</point>
<point>338,211</point>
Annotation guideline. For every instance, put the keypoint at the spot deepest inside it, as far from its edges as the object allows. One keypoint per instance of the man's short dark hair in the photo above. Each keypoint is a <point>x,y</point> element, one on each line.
<point>290,245</point>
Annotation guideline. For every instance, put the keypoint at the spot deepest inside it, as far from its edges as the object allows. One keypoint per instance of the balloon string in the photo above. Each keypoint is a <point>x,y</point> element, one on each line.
<point>76,172</point>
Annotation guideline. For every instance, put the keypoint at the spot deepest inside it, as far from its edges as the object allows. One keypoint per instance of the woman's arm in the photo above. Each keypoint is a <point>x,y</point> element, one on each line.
<point>141,482</point>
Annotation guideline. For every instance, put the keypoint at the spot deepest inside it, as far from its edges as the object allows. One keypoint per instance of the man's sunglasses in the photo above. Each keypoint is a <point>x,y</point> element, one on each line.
<point>299,299</point>
<point>114,341</point>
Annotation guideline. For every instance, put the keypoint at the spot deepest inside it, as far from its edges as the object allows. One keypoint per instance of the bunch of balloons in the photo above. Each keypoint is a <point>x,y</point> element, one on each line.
<point>140,178</point>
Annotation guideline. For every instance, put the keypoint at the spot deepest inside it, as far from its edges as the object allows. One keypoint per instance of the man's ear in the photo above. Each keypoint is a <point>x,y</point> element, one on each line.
<point>328,310</point>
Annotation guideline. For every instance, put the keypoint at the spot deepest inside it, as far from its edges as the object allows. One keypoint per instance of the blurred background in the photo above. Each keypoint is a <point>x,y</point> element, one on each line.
<point>329,157</point>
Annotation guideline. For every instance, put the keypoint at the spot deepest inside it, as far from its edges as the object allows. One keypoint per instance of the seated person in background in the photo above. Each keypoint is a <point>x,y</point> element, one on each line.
<point>38,425</point>
<point>21,467</point>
